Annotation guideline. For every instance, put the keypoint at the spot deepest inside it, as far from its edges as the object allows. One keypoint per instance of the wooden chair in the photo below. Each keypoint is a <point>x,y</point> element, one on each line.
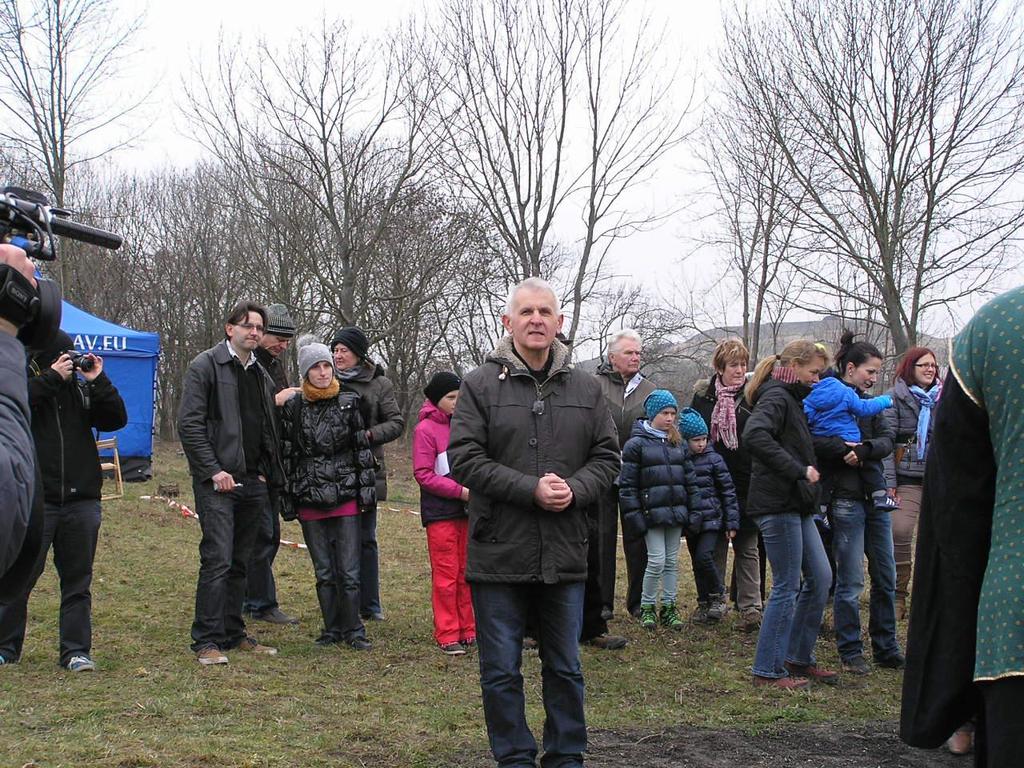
<point>111,466</point>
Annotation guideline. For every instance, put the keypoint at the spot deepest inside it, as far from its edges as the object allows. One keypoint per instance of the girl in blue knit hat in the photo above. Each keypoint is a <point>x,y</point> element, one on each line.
<point>719,512</point>
<point>658,494</point>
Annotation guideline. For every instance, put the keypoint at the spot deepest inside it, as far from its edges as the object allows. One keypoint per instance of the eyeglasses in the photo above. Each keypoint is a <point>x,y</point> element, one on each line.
<point>926,365</point>
<point>250,327</point>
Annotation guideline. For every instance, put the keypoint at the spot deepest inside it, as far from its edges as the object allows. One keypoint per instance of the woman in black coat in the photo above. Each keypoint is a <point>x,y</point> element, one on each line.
<point>331,480</point>
<point>782,499</point>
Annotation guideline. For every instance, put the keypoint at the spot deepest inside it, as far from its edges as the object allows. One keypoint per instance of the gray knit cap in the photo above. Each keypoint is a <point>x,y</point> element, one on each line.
<point>312,352</point>
<point>279,322</point>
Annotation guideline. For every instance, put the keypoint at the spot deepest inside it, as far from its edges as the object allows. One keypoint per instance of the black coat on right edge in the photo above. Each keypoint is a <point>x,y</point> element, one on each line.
<point>781,448</point>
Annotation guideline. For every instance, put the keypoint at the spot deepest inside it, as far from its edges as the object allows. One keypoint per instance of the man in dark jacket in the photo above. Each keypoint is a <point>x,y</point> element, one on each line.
<point>261,591</point>
<point>384,423</point>
<point>533,441</point>
<point>228,429</point>
<point>625,389</point>
<point>66,407</point>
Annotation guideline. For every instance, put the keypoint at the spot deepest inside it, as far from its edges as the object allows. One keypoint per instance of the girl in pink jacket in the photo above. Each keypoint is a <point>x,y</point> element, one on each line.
<point>443,513</point>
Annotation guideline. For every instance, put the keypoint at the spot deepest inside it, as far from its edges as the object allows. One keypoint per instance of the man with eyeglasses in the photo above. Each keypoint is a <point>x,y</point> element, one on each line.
<point>229,434</point>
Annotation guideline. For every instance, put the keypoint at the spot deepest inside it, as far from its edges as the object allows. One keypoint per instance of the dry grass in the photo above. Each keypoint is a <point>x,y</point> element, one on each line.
<point>404,704</point>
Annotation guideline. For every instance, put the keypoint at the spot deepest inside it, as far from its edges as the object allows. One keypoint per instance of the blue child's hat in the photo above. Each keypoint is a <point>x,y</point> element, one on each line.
<point>659,400</point>
<point>692,424</point>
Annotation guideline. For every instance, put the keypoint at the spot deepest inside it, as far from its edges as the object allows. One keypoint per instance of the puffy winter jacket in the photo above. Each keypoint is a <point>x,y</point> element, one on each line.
<point>440,496</point>
<point>839,479</point>
<point>902,420</point>
<point>782,448</point>
<point>704,398</point>
<point>832,409</point>
<point>327,457</point>
<point>720,509</point>
<point>381,414</point>
<point>508,431</point>
<point>658,485</point>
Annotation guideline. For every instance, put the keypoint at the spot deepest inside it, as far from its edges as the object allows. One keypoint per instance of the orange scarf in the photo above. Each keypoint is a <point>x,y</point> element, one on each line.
<point>313,394</point>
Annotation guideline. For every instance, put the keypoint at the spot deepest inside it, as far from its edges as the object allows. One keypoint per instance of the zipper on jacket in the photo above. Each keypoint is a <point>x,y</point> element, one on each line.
<point>60,432</point>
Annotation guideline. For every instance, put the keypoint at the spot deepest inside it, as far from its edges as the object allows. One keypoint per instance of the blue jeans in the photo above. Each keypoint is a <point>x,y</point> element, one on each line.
<point>792,615</point>
<point>334,549</point>
<point>501,612</point>
<point>662,564</point>
<point>261,591</point>
<point>859,529</point>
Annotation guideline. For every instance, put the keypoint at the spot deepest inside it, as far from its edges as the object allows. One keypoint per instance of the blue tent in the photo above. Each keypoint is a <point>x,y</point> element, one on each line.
<point>129,359</point>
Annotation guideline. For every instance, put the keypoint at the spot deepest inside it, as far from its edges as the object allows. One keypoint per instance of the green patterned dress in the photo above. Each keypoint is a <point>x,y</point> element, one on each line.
<point>988,362</point>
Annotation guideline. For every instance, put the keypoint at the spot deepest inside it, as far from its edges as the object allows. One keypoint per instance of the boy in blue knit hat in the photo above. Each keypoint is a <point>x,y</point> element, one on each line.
<point>720,513</point>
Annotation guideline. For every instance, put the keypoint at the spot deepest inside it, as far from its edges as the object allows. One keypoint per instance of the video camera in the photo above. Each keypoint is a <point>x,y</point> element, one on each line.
<point>29,222</point>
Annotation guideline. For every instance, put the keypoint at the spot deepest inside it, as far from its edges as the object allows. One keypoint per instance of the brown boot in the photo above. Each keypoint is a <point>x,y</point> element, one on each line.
<point>903,571</point>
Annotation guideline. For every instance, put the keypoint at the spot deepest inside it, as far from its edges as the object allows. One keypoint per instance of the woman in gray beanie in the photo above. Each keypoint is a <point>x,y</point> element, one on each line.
<point>331,483</point>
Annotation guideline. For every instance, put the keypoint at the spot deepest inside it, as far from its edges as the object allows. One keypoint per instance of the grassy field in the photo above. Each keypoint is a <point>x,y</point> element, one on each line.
<point>403,704</point>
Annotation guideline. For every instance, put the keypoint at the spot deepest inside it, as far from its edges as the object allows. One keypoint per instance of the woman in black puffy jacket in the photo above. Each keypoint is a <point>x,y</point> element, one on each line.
<point>331,480</point>
<point>660,501</point>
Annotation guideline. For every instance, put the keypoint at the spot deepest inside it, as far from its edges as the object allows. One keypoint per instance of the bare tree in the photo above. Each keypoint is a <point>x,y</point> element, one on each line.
<point>329,127</point>
<point>900,126</point>
<point>59,61</point>
<point>521,81</point>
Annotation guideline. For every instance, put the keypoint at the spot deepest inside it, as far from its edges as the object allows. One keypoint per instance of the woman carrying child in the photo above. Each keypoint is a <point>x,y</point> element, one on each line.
<point>860,524</point>
<point>720,513</point>
<point>783,497</point>
<point>443,514</point>
<point>659,499</point>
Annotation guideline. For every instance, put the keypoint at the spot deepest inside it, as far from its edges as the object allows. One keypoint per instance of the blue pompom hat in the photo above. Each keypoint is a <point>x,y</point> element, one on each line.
<point>692,424</point>
<point>657,401</point>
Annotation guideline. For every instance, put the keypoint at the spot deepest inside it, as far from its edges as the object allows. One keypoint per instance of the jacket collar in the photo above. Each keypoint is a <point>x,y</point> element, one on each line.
<point>504,354</point>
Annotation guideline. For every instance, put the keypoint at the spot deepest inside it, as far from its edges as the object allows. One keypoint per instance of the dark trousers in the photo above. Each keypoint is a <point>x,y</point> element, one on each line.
<point>229,521</point>
<point>501,611</point>
<point>73,530</point>
<point>334,548</point>
<point>260,589</point>
<point>636,564</point>
<point>705,573</point>
<point>607,542</point>
<point>593,595</point>
<point>998,738</point>
<point>369,565</point>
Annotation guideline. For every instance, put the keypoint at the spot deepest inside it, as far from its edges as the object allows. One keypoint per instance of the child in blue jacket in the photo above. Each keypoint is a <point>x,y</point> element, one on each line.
<point>832,410</point>
<point>720,516</point>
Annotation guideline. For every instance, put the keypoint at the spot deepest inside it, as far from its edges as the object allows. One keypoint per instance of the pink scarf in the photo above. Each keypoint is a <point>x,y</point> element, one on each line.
<point>784,373</point>
<point>723,417</point>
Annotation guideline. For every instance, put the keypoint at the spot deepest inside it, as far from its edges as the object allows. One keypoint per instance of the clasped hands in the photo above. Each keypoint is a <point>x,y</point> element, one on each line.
<point>553,493</point>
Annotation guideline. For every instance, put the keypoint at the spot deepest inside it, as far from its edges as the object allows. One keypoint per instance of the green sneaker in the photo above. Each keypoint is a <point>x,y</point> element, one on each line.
<point>648,617</point>
<point>670,617</point>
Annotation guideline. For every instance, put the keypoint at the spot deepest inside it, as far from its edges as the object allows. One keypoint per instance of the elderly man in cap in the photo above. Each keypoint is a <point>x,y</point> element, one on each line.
<point>261,591</point>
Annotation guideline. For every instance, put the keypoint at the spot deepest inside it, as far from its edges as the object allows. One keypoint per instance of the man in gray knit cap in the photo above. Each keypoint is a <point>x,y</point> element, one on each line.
<point>261,591</point>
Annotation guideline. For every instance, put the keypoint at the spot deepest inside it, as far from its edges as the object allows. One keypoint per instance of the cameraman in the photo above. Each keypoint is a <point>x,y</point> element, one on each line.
<point>17,464</point>
<point>68,400</point>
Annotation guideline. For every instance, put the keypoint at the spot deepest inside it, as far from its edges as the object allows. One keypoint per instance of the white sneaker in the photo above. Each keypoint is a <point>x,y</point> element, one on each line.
<point>80,664</point>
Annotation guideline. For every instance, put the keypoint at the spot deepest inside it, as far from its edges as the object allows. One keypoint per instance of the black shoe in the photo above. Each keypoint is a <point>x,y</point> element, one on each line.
<point>607,613</point>
<point>274,616</point>
<point>857,665</point>
<point>378,616</point>
<point>607,642</point>
<point>896,661</point>
<point>326,639</point>
<point>359,644</point>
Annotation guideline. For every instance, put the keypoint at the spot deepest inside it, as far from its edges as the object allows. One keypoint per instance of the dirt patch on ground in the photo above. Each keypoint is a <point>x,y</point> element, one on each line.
<point>874,745</point>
